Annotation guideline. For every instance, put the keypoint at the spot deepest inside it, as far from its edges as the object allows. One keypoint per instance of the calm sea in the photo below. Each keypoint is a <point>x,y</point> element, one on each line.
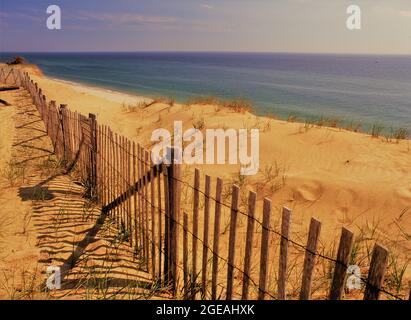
<point>360,88</point>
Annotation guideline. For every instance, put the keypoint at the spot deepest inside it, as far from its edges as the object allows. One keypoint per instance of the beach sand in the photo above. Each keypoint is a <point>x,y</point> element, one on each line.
<point>343,178</point>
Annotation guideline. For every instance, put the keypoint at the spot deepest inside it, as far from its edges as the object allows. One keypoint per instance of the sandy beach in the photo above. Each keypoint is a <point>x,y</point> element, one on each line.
<point>334,174</point>
<point>343,178</point>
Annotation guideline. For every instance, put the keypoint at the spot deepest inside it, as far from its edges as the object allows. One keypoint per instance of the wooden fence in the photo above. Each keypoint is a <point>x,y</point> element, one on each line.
<point>180,250</point>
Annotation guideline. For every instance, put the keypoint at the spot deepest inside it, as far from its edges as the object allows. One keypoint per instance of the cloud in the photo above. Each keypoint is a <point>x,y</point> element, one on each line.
<point>206,6</point>
<point>125,18</point>
<point>27,16</point>
<point>88,21</point>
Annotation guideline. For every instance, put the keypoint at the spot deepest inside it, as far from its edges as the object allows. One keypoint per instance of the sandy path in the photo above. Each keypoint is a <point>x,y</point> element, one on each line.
<point>46,221</point>
<point>19,256</point>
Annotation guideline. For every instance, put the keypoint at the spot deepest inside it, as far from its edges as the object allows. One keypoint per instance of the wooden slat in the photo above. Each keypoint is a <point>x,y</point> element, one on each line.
<point>343,259</point>
<point>140,217</point>
<point>101,170</point>
<point>63,131</point>
<point>99,149</point>
<point>153,224</point>
<point>175,196</point>
<point>145,158</point>
<point>309,260</point>
<point>117,178</point>
<point>124,191</point>
<point>166,225</point>
<point>207,189</point>
<point>141,202</point>
<point>185,257</point>
<point>129,214</point>
<point>196,199</point>
<point>112,173</point>
<point>265,238</point>
<point>232,239</point>
<point>106,165</point>
<point>160,222</point>
<point>282,270</point>
<point>136,226</point>
<point>93,155</point>
<point>249,244</point>
<point>216,240</point>
<point>376,274</point>
<point>122,181</point>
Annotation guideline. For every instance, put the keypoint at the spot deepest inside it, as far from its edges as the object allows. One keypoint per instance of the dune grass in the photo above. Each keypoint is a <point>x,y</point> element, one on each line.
<point>239,105</point>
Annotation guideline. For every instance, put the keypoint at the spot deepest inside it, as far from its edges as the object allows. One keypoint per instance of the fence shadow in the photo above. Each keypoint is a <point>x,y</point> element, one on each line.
<point>72,233</point>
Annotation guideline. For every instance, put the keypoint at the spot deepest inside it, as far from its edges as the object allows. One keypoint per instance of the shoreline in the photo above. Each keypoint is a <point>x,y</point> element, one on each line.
<point>377,130</point>
<point>117,96</point>
<point>309,94</point>
<point>114,94</point>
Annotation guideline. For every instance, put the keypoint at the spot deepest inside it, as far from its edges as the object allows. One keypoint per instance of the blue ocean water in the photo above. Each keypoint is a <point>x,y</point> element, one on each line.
<point>362,88</point>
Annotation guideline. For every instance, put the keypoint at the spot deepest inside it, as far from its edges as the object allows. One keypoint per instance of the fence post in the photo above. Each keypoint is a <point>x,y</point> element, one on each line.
<point>309,259</point>
<point>136,226</point>
<point>231,242</point>
<point>93,154</point>
<point>282,270</point>
<point>265,238</point>
<point>61,118</point>
<point>216,238</point>
<point>153,224</point>
<point>146,167</point>
<point>207,187</point>
<point>249,243</point>
<point>343,259</point>
<point>195,232</point>
<point>185,257</point>
<point>160,226</point>
<point>173,176</point>
<point>166,268</point>
<point>45,116</point>
<point>378,267</point>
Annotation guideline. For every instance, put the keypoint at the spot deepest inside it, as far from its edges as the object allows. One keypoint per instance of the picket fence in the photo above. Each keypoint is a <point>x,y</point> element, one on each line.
<point>144,201</point>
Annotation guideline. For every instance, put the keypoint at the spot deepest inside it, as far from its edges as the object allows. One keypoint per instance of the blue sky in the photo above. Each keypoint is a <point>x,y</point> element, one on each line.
<point>206,25</point>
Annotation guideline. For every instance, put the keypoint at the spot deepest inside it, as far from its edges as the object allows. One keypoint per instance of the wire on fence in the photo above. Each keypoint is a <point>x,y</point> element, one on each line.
<point>41,104</point>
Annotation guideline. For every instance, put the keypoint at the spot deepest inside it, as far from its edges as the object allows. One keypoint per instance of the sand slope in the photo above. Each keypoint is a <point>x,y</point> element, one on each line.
<point>337,175</point>
<point>45,220</point>
<point>343,178</point>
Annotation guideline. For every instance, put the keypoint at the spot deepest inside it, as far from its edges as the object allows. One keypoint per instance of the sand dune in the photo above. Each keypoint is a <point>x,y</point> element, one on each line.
<point>344,178</point>
<point>330,172</point>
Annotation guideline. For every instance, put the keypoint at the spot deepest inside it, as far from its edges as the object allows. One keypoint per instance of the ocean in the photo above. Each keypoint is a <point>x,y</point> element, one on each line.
<point>367,89</point>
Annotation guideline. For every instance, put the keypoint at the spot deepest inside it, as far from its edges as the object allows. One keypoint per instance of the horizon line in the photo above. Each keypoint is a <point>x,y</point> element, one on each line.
<point>217,51</point>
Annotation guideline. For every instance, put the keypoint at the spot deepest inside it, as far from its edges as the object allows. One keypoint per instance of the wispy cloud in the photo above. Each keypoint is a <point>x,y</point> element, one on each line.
<point>97,21</point>
<point>110,21</point>
<point>29,16</point>
<point>126,18</point>
<point>206,6</point>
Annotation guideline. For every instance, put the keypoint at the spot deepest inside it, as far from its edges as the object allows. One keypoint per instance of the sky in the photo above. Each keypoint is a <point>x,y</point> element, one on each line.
<point>207,25</point>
